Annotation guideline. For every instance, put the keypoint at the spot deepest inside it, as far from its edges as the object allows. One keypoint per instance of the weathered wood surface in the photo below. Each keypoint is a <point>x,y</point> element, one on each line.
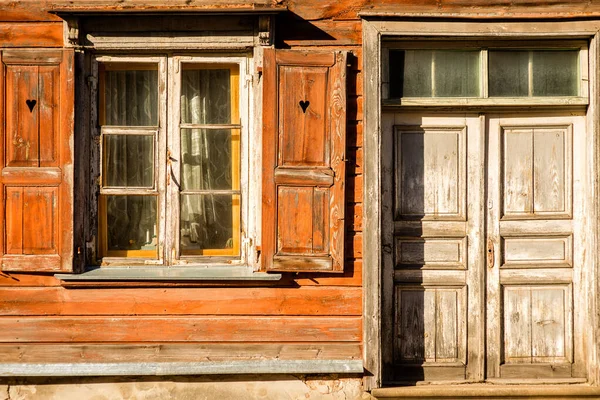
<point>304,133</point>
<point>200,301</point>
<point>173,352</point>
<point>180,329</point>
<point>46,34</point>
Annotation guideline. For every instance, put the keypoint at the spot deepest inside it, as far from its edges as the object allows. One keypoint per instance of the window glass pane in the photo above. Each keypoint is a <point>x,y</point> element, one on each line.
<point>210,224</point>
<point>210,159</point>
<point>130,97</point>
<point>206,95</point>
<point>131,223</point>
<point>128,160</point>
<point>508,73</point>
<point>410,73</point>
<point>434,73</point>
<point>456,74</point>
<point>555,73</point>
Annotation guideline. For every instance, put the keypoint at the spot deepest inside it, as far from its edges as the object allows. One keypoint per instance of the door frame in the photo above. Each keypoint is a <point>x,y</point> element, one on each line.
<point>377,251</point>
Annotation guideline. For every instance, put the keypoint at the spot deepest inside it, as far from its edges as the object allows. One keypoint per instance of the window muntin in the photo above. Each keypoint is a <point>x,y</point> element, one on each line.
<point>516,70</point>
<point>186,176</point>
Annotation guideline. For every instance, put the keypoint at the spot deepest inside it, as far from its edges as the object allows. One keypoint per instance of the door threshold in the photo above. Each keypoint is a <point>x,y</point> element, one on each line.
<point>489,390</point>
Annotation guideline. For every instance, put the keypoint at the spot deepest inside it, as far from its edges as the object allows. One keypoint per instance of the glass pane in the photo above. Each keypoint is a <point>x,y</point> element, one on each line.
<point>456,73</point>
<point>128,160</point>
<point>410,73</point>
<point>555,73</point>
<point>130,97</point>
<point>434,73</point>
<point>210,159</point>
<point>210,222</point>
<point>508,73</point>
<point>206,96</point>
<point>131,223</point>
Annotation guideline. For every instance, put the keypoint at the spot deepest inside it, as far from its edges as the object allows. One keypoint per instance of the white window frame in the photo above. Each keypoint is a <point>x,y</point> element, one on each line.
<point>169,67</point>
<point>483,46</point>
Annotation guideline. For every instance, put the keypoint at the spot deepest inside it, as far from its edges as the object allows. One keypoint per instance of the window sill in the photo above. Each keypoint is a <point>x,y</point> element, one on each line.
<point>211,273</point>
<point>184,368</point>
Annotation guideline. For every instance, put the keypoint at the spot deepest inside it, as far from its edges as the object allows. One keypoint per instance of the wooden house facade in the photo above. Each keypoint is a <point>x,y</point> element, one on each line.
<point>392,198</point>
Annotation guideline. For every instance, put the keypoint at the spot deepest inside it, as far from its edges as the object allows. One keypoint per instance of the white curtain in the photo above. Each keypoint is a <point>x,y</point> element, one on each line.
<point>130,100</point>
<point>206,159</point>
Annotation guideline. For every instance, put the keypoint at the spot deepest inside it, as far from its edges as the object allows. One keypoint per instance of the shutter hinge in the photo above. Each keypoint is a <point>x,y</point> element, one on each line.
<point>249,80</point>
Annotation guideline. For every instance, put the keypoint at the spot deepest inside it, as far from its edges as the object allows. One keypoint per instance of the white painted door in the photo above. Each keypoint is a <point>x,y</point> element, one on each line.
<point>535,231</point>
<point>436,225</point>
<point>486,221</point>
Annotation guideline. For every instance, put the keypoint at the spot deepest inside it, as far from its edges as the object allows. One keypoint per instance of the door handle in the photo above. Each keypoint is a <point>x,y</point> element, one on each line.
<point>490,254</point>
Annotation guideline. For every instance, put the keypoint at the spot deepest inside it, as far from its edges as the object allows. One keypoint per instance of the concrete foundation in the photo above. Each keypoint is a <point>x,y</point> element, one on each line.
<point>186,388</point>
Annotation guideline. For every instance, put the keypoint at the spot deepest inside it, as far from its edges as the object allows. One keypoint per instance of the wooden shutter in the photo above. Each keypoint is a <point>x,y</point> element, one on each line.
<point>304,139</point>
<point>36,179</point>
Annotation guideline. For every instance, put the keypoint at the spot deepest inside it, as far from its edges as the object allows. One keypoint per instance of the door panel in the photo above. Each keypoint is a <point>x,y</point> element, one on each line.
<point>534,244</point>
<point>487,235</point>
<point>437,230</point>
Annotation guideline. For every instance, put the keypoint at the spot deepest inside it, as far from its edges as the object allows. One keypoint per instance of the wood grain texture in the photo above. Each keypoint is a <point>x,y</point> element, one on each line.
<point>174,352</point>
<point>179,329</point>
<point>39,34</point>
<point>305,130</point>
<point>181,301</point>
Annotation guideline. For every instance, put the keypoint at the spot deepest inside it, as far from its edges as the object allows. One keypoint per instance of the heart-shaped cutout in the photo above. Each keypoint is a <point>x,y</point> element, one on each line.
<point>31,104</point>
<point>304,105</point>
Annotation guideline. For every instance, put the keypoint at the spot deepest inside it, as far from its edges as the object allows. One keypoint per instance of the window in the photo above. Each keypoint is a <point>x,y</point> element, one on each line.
<point>498,72</point>
<point>171,148</point>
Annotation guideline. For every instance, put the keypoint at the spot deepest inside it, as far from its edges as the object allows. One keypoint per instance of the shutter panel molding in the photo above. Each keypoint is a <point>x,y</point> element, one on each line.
<point>36,177</point>
<point>304,145</point>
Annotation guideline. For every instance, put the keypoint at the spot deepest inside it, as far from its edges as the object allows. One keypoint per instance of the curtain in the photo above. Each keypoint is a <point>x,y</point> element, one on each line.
<point>131,99</point>
<point>206,219</point>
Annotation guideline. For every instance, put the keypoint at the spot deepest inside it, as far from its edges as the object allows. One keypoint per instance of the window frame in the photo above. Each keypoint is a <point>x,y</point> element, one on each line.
<point>411,43</point>
<point>167,145</point>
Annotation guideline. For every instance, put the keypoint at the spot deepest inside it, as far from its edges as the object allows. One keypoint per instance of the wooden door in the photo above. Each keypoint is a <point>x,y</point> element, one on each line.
<point>434,274</point>
<point>535,231</point>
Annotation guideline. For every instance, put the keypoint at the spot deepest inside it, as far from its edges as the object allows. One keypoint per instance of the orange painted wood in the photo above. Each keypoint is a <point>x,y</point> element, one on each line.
<point>354,190</point>
<point>179,329</point>
<point>355,83</point>
<point>19,279</point>
<point>14,220</point>
<point>176,352</point>
<point>303,135</point>
<point>355,108</point>
<point>352,276</point>
<point>40,222</point>
<point>21,139</point>
<point>294,31</point>
<point>30,34</point>
<point>48,97</point>
<point>333,301</point>
<point>355,134</point>
<point>304,130</point>
<point>36,178</point>
<point>354,217</point>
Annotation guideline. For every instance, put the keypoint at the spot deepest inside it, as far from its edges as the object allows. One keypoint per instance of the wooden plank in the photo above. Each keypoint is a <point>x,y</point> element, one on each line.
<point>352,276</point>
<point>517,325</point>
<point>535,371</point>
<point>13,220</point>
<point>304,176</point>
<point>18,279</point>
<point>518,171</point>
<point>295,31</point>
<point>177,301</point>
<point>179,329</point>
<point>175,352</point>
<point>39,34</point>
<point>551,170</point>
<point>49,130</point>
